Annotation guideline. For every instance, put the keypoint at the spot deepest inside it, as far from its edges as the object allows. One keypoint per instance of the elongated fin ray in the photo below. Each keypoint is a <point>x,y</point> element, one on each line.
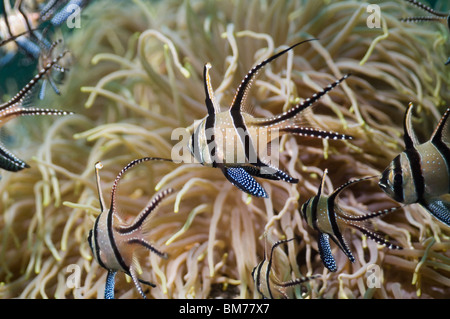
<point>24,111</point>
<point>311,132</point>
<point>244,181</point>
<point>144,214</point>
<point>301,106</point>
<point>372,214</point>
<point>147,245</point>
<point>241,92</point>
<point>442,131</point>
<point>10,162</point>
<point>126,168</point>
<point>299,281</point>
<point>27,88</point>
<point>134,277</point>
<point>375,237</point>
<point>427,8</point>
<point>421,19</point>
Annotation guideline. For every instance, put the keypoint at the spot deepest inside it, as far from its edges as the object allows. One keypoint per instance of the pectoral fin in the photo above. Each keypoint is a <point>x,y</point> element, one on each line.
<point>325,252</point>
<point>439,208</point>
<point>244,181</point>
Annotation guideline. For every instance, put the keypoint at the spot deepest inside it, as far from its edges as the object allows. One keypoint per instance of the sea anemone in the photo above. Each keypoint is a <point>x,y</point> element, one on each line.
<point>137,78</point>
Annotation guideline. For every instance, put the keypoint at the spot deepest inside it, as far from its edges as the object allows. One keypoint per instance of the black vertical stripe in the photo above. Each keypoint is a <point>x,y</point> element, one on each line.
<point>314,205</point>
<point>398,180</point>
<point>109,226</point>
<point>97,247</point>
<point>258,277</point>
<point>333,222</point>
<point>337,236</point>
<point>416,171</point>
<point>195,142</point>
<point>209,127</point>
<point>244,136</point>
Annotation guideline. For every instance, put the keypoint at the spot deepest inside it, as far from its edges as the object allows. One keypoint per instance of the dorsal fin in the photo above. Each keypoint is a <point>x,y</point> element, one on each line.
<point>347,184</point>
<point>211,105</point>
<point>99,166</point>
<point>126,168</point>
<point>269,263</point>
<point>410,137</point>
<point>442,131</point>
<point>322,183</point>
<point>241,92</point>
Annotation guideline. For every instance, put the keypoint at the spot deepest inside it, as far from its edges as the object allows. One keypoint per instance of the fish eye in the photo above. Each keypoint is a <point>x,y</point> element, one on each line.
<point>398,178</point>
<point>386,180</point>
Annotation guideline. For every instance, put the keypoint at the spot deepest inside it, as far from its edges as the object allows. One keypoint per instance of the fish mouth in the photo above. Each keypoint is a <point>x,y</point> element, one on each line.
<point>389,186</point>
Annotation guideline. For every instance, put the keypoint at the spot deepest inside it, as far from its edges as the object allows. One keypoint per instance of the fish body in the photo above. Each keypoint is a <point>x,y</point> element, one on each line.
<point>238,143</point>
<point>267,283</point>
<point>421,173</point>
<point>115,243</point>
<point>323,214</point>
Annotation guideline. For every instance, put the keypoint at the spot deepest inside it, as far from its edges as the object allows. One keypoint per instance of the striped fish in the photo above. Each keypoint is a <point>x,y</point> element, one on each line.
<point>266,281</point>
<point>435,16</point>
<point>421,173</point>
<point>228,140</point>
<point>114,243</point>
<point>323,214</point>
<point>15,107</point>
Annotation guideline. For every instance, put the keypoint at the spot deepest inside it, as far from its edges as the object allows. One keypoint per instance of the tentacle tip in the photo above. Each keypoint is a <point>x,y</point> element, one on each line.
<point>99,165</point>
